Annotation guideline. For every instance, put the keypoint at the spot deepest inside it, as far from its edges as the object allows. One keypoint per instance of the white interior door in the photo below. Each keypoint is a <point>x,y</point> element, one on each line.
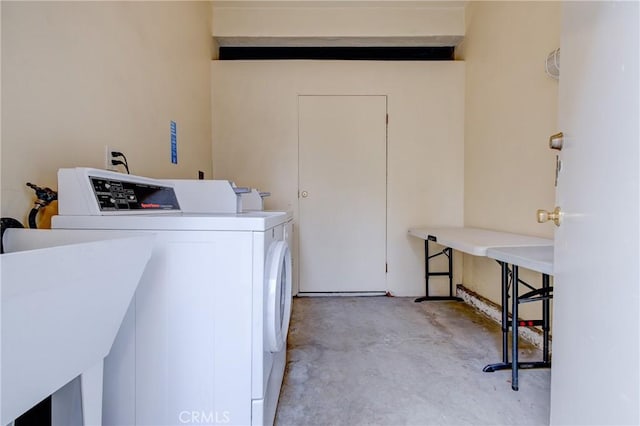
<point>342,193</point>
<point>595,376</point>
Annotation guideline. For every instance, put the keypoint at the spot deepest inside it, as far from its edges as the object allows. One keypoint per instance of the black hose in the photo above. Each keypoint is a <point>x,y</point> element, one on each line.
<point>32,217</point>
<point>6,223</point>
<point>45,197</point>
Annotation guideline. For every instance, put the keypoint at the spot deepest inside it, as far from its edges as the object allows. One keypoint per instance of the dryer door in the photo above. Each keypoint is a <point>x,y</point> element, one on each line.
<point>278,300</point>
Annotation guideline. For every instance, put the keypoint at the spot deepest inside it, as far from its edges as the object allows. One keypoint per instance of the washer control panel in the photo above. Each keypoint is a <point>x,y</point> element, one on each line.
<point>117,195</point>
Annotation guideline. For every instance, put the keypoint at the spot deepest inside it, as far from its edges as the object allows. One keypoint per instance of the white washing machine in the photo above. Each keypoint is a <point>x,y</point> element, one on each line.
<point>223,196</point>
<point>204,341</point>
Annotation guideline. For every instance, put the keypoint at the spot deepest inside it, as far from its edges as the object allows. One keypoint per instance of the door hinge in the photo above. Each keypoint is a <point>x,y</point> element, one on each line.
<point>386,268</point>
<point>387,118</point>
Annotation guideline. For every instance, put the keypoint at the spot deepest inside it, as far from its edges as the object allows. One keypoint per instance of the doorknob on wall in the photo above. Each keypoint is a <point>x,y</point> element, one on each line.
<point>545,216</point>
<point>304,194</point>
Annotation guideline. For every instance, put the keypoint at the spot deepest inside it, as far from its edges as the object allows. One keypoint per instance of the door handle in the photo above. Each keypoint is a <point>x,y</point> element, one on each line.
<point>304,194</point>
<point>545,216</point>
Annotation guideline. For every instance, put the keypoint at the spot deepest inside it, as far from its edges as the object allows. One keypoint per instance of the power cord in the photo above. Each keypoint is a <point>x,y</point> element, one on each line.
<point>125,163</point>
<point>120,163</point>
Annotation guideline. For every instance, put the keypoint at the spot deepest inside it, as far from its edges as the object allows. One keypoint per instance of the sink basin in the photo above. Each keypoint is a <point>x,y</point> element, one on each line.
<point>64,295</point>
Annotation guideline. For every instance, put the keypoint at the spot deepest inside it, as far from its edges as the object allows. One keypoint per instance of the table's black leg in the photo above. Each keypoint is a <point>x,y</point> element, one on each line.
<point>505,312</point>
<point>504,365</point>
<point>450,256</point>
<point>545,320</point>
<point>515,365</point>
<point>514,328</point>
<point>426,266</point>
<point>427,274</point>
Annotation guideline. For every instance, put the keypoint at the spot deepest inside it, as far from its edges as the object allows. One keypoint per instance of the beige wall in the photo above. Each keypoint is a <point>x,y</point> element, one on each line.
<point>511,109</point>
<point>255,139</point>
<point>77,76</point>
<point>328,19</point>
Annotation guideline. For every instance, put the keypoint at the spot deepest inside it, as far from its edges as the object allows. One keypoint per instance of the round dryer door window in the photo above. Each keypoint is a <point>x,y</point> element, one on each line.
<point>278,297</point>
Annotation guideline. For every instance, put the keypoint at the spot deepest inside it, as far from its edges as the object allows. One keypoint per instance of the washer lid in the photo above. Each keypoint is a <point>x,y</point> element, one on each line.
<point>249,221</point>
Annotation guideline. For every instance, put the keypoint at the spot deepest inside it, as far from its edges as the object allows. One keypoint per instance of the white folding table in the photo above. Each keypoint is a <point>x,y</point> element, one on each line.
<point>507,249</point>
<point>474,241</point>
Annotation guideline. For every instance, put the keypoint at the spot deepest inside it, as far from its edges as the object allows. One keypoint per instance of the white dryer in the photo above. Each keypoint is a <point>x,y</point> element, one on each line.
<point>204,341</point>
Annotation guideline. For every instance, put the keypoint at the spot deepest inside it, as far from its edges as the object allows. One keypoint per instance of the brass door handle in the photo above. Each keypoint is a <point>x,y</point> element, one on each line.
<point>545,216</point>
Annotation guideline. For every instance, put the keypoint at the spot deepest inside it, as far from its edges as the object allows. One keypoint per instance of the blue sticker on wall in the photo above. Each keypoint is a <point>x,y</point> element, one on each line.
<point>174,143</point>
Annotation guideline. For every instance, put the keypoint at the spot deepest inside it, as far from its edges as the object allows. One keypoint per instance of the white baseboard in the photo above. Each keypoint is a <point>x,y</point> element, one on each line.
<point>342,294</point>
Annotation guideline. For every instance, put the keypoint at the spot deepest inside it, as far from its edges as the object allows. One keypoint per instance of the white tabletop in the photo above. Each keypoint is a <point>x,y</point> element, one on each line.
<point>476,241</point>
<point>539,259</point>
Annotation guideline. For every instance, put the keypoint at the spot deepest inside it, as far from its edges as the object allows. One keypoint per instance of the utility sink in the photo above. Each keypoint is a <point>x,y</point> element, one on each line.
<point>64,295</point>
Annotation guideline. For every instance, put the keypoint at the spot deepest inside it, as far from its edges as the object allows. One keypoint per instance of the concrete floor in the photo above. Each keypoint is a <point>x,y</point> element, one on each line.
<point>390,361</point>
